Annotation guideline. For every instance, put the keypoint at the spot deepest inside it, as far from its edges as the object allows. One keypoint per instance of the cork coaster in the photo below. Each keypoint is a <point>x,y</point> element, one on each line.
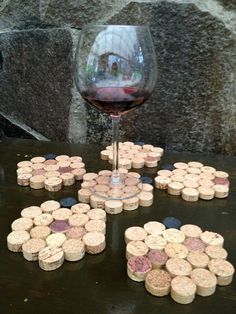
<point>51,174</point>
<point>177,262</point>
<point>51,233</point>
<point>193,181</point>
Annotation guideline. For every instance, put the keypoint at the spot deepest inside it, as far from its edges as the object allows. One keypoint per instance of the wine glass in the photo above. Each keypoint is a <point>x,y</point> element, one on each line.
<point>115,71</point>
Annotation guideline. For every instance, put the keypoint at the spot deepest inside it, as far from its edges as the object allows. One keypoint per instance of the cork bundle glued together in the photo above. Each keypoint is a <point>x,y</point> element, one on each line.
<point>183,263</point>
<point>50,172</point>
<point>51,234</point>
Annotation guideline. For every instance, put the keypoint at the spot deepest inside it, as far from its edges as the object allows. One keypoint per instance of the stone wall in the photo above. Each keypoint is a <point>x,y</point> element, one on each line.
<point>193,107</point>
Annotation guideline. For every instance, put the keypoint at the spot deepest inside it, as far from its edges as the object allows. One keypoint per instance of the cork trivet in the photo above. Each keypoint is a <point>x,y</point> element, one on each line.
<point>75,233</point>
<point>31,249</point>
<point>147,187</point>
<point>206,193</point>
<point>31,212</point>
<point>94,242</point>
<point>80,208</point>
<point>223,270</point>
<point>105,154</point>
<point>221,191</point>
<point>221,175</point>
<point>68,179</point>
<point>78,220</point>
<point>180,172</point>
<point>193,170</point>
<point>50,206</point>
<point>191,184</point>
<point>24,163</point>
<point>150,162</point>
<point>90,176</point>
<point>212,238</point>
<point>77,165</point>
<point>154,227</point>
<point>50,174</point>
<point>191,231</point>
<point>207,169</point>
<point>84,195</point>
<point>190,194</point>
<point>78,173</point>
<point>157,258</point>
<point>135,234</point>
<point>157,282</point>
<point>216,252</point>
<point>194,244</point>
<point>97,201</point>
<point>195,164</point>
<point>75,159</point>
<point>162,182</point>
<point>113,207</point>
<point>53,184</point>
<point>62,158</point>
<point>50,168</point>
<point>138,267</point>
<point>97,213</point>
<point>155,242</point>
<point>136,248</point>
<point>204,280</point>
<point>178,267</point>
<point>130,203</point>
<point>40,232</point>
<point>22,224</point>
<point>38,166</point>
<point>198,259</point>
<point>55,239</point>
<point>177,178</point>
<point>105,173</point>
<point>74,249</point>
<point>183,290</point>
<point>16,239</point>
<point>175,188</point>
<point>192,177</point>
<point>173,235</point>
<point>51,258</point>
<point>24,170</point>
<point>37,182</point>
<point>164,173</point>
<point>43,220</point>
<point>24,179</point>
<point>181,165</point>
<point>95,226</point>
<point>176,250</point>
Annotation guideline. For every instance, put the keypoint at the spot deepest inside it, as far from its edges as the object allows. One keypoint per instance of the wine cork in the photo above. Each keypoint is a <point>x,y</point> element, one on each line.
<point>157,258</point>
<point>221,191</point>
<point>51,258</point>
<point>177,250</point>
<point>150,162</point>
<point>141,154</point>
<point>38,166</point>
<point>37,182</point>
<point>223,270</point>
<point>154,227</point>
<point>181,165</point>
<point>216,252</point>
<point>155,242</point>
<point>175,188</point>
<point>50,174</point>
<point>61,214</point>
<point>145,199</point>
<point>191,184</point>
<point>206,183</point>
<point>103,180</point>
<point>147,147</point>
<point>220,181</point>
<point>105,173</point>
<point>55,239</point>
<point>74,249</point>
<point>190,194</point>
<point>77,165</point>
<point>206,193</point>
<point>178,267</point>
<point>157,282</point>
<point>22,224</point>
<point>177,178</point>
<point>183,290</point>
<point>37,159</point>
<point>195,164</point>
<point>138,267</point>
<point>97,213</point>
<point>37,172</point>
<point>84,195</point>
<point>198,259</point>
<point>191,231</point>
<point>31,249</point>
<point>131,181</point>
<point>194,244</point>
<point>207,176</point>
<point>78,173</point>
<point>105,154</point>
<point>135,234</point>
<point>16,239</point>
<point>162,182</point>
<point>80,208</point>
<point>207,169</point>
<point>125,163</point>
<point>155,155</point>
<point>136,248</point>
<point>157,150</point>
<point>221,175</point>
<point>50,168</point>
<point>43,219</point>
<point>24,179</point>
<point>68,179</point>
<point>137,162</point>
<point>78,220</point>
<point>62,158</point>
<point>88,184</point>
<point>173,235</point>
<point>193,170</point>
<point>53,184</point>
<point>24,163</point>
<point>40,232</point>
<point>130,203</point>
<point>101,188</point>
<point>31,212</point>
<point>95,226</point>
<point>113,207</point>
<point>97,201</point>
<point>164,173</point>
<point>75,233</point>
<point>75,159</point>
<point>90,176</point>
<point>204,280</point>
<point>147,187</point>
<point>132,190</point>
<point>212,238</point>
<point>24,170</point>
<point>192,177</point>
<point>180,172</point>
<point>50,206</point>
<point>94,242</point>
<point>50,162</point>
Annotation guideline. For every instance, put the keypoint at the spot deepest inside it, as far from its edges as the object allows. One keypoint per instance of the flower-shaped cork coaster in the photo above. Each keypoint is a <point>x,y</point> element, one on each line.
<point>192,181</point>
<point>51,234</point>
<point>181,262</point>
<point>136,156</point>
<point>96,191</point>
<point>50,172</point>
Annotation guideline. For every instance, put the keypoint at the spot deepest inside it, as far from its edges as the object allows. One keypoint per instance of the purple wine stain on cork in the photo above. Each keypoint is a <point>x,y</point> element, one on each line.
<point>65,169</point>
<point>221,181</point>
<point>60,226</point>
<point>139,264</point>
<point>194,244</point>
<point>157,256</point>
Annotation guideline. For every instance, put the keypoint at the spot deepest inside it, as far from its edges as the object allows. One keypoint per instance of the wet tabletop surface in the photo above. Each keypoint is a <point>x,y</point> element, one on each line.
<point>99,284</point>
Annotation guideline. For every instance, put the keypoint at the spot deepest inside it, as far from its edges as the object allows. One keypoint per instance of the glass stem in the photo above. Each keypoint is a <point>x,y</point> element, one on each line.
<point>115,143</point>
